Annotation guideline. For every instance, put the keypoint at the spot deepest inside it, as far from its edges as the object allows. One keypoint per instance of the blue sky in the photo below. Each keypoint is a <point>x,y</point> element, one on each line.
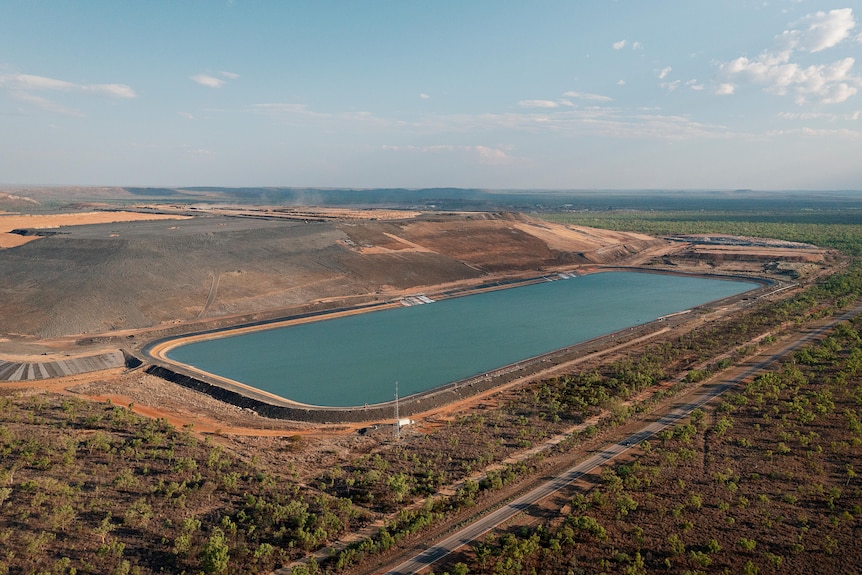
<point>409,93</point>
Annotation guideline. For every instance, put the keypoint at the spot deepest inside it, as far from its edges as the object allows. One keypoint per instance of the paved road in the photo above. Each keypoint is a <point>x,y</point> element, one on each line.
<point>478,528</point>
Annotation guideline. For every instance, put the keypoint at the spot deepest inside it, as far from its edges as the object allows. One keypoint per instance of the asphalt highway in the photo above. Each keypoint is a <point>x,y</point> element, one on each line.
<point>471,532</point>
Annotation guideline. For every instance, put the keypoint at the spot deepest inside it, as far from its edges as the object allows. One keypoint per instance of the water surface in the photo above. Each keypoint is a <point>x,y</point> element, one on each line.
<point>357,359</point>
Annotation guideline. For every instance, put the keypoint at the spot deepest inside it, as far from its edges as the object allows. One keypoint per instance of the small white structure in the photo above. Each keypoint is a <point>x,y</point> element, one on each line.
<point>405,421</point>
<point>419,299</point>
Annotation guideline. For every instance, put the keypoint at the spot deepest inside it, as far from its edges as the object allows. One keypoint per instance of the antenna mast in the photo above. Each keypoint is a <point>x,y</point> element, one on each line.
<point>397,420</point>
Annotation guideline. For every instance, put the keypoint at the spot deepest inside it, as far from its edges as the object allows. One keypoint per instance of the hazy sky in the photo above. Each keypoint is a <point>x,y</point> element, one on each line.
<point>420,93</point>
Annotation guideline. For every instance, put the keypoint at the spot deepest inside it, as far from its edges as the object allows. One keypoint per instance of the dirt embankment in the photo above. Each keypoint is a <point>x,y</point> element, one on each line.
<point>96,279</point>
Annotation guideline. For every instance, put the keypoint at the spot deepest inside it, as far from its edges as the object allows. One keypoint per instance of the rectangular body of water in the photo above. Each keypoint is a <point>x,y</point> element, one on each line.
<point>354,360</point>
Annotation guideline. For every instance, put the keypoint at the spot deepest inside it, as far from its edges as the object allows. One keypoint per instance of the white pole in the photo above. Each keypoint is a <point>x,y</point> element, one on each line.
<point>397,420</point>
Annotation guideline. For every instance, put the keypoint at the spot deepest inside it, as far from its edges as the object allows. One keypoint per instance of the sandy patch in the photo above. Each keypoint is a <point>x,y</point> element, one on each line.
<point>560,237</point>
<point>9,222</point>
<point>402,246</point>
<point>14,240</point>
<point>295,213</point>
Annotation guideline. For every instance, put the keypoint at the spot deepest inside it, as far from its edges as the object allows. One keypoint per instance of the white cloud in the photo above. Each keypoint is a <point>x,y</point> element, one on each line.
<point>29,82</point>
<point>538,104</point>
<point>694,85</point>
<point>208,81</point>
<point>588,96</point>
<point>834,93</point>
<point>850,117</point>
<point>821,30</point>
<point>26,88</point>
<point>725,89</point>
<point>300,114</point>
<point>574,121</point>
<point>288,112</point>
<point>211,81</point>
<point>824,83</point>
<point>491,155</point>
<point>482,154</point>
<point>424,96</point>
<point>46,104</point>
<point>669,86</point>
<point>621,82</point>
<point>624,43</point>
<point>115,90</point>
<point>818,133</point>
<point>281,107</point>
<point>550,104</point>
<point>580,122</point>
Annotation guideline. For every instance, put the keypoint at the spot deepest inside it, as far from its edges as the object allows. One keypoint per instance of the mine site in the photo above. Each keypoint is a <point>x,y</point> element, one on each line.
<point>430,288</point>
<point>97,293</point>
<point>92,289</point>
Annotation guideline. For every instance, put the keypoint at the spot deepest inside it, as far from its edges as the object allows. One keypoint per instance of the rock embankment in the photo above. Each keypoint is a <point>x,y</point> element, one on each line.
<point>35,370</point>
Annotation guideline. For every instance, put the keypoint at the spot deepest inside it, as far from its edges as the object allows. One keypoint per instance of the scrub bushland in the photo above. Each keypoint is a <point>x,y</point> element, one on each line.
<point>833,228</point>
<point>94,488</point>
<point>765,482</point>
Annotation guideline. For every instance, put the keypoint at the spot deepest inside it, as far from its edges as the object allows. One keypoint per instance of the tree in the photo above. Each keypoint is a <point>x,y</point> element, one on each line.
<point>215,553</point>
<point>399,484</point>
<point>625,504</point>
<point>747,544</point>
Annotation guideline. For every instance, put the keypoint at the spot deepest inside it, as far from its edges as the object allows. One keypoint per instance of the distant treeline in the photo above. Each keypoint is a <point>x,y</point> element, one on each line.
<point>153,192</point>
<point>827,227</point>
<point>520,200</point>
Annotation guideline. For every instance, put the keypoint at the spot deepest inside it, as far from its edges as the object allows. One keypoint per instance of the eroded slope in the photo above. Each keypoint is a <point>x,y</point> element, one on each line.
<point>131,275</point>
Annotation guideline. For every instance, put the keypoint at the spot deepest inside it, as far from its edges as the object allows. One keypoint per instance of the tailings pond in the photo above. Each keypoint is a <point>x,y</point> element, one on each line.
<point>356,360</point>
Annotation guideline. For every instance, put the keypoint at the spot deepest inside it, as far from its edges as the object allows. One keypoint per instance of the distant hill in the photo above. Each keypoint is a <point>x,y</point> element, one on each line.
<point>528,200</point>
<point>449,199</point>
<point>11,202</point>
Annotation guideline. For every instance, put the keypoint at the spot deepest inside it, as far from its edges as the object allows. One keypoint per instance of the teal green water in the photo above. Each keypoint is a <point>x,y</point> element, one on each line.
<point>355,360</point>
